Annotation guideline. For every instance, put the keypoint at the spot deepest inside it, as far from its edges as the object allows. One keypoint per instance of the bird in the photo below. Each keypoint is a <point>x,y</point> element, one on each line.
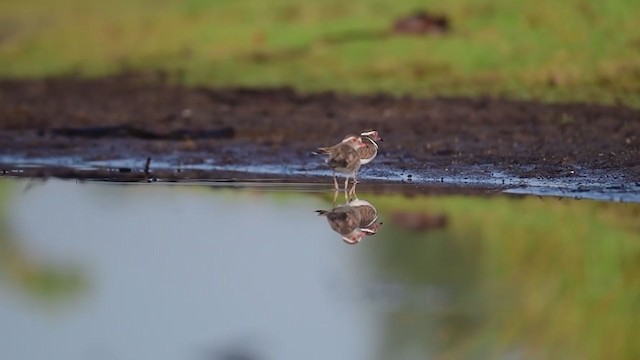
<point>366,153</point>
<point>344,158</point>
<point>368,213</point>
<point>370,150</point>
<point>369,223</point>
<point>353,220</point>
<point>345,220</point>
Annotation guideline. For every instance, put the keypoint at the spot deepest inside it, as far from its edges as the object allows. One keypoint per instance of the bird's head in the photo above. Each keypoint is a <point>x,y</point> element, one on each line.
<point>373,134</point>
<point>354,237</point>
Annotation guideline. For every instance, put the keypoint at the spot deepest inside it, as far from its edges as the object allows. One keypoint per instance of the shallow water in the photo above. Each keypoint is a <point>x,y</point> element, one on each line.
<point>141,271</point>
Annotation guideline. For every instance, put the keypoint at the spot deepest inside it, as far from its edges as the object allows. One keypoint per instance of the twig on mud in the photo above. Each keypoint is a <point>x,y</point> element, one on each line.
<point>147,175</point>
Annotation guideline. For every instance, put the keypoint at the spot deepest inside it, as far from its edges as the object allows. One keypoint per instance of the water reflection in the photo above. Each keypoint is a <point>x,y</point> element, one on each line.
<point>235,272</point>
<point>40,278</point>
<point>446,277</point>
<point>353,220</point>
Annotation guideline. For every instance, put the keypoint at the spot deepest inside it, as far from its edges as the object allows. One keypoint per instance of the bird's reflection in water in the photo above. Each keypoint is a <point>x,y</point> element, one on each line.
<point>353,220</point>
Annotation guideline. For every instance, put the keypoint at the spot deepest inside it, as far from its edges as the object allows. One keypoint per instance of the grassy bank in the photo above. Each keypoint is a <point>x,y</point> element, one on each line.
<point>544,49</point>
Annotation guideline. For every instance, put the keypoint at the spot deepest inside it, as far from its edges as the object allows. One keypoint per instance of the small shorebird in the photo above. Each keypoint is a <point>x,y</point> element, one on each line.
<point>344,158</point>
<point>369,223</point>
<point>353,221</point>
<point>345,220</point>
<point>370,150</point>
<point>368,213</point>
<point>341,158</point>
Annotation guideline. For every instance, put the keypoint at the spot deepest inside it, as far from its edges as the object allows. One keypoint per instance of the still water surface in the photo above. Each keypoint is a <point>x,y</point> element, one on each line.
<point>104,271</point>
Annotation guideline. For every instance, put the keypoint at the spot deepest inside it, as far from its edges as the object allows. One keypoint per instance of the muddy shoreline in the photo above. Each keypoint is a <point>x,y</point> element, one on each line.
<point>66,127</point>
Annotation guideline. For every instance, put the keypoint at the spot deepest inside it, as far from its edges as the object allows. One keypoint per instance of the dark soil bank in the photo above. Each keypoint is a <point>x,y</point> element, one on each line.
<point>134,117</point>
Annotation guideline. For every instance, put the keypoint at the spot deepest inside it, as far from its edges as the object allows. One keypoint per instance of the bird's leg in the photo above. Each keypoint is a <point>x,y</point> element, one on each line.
<point>346,187</point>
<point>335,181</point>
<point>353,188</point>
<point>335,197</point>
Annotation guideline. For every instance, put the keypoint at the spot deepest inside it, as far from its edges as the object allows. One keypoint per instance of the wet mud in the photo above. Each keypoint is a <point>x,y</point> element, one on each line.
<point>107,128</point>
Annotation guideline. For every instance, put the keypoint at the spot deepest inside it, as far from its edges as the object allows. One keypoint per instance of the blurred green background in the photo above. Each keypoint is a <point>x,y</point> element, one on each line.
<point>574,50</point>
<point>528,278</point>
<point>501,277</point>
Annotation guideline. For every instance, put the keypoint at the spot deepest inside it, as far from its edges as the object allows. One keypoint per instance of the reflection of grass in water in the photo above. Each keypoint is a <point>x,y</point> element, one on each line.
<point>548,278</point>
<point>576,49</point>
<point>44,282</point>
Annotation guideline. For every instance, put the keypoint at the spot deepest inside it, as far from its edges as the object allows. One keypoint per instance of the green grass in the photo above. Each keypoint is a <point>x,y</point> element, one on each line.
<point>572,50</point>
<point>540,278</point>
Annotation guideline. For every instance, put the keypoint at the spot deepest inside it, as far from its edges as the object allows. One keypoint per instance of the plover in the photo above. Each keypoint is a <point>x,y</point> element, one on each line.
<point>370,150</point>
<point>345,220</point>
<point>369,223</point>
<point>353,220</point>
<point>344,158</point>
<point>368,213</point>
